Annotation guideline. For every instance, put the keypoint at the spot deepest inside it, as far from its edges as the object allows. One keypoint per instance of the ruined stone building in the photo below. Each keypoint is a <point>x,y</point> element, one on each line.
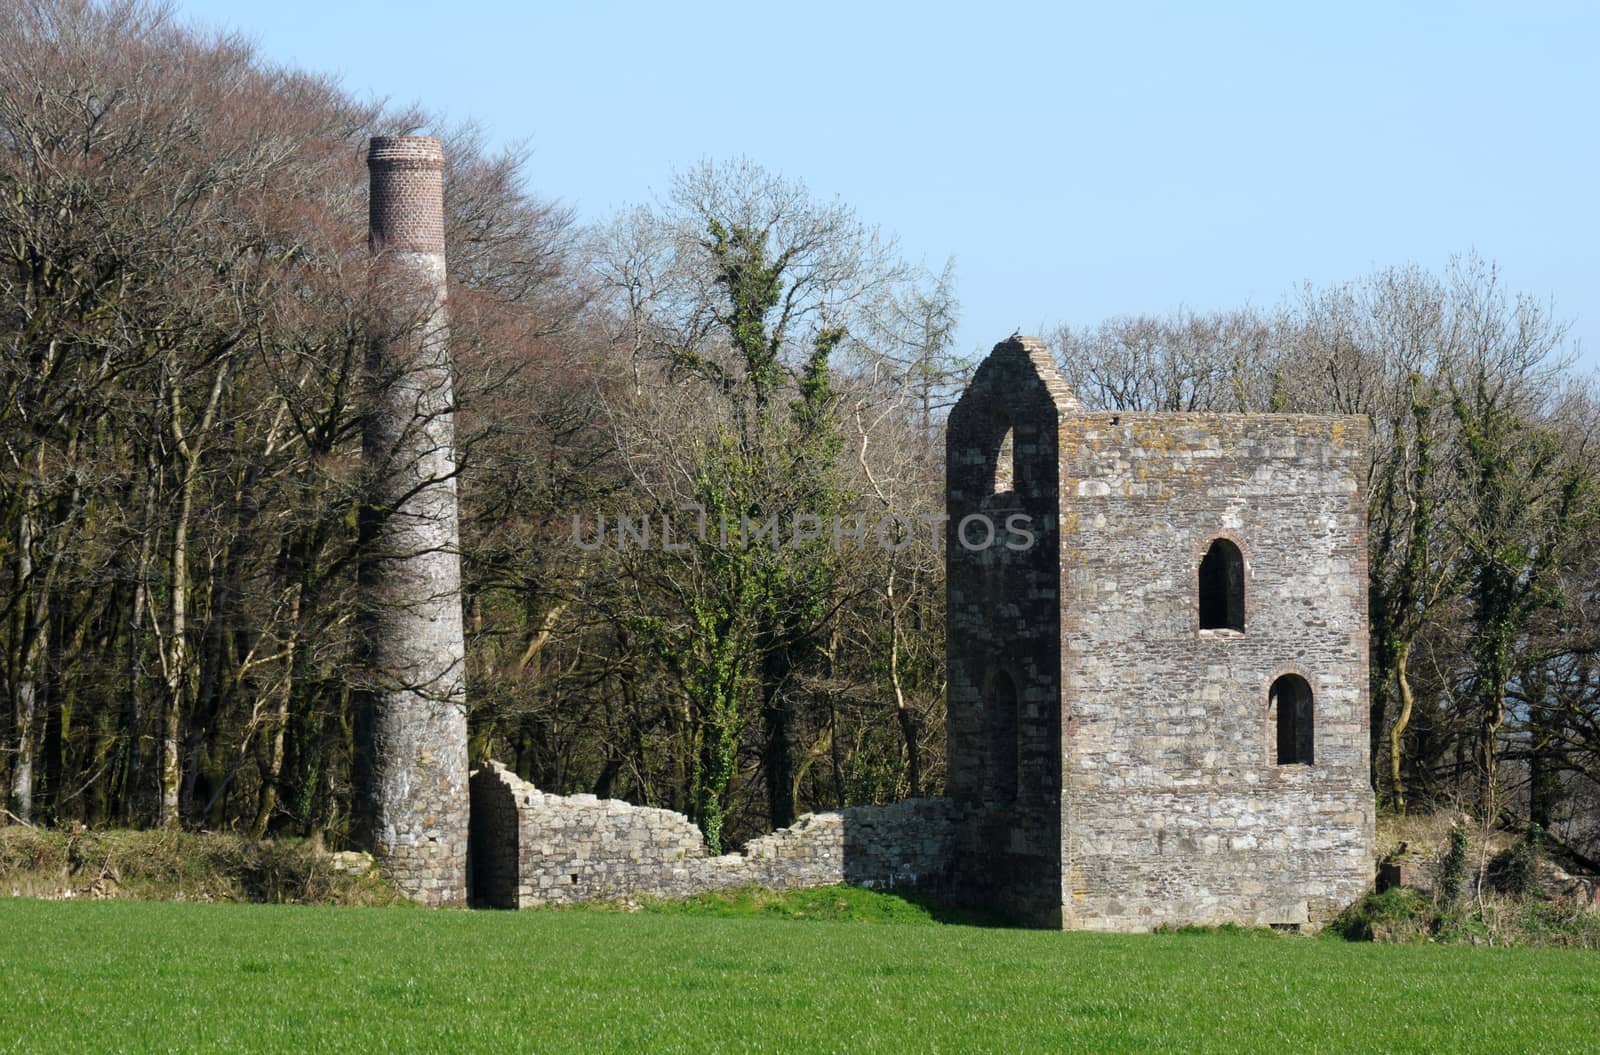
<point>1157,713</point>
<point>1157,658</point>
<point>1158,710</point>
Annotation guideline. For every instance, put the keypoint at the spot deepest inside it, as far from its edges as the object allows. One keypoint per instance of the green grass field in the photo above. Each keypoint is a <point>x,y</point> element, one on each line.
<point>131,976</point>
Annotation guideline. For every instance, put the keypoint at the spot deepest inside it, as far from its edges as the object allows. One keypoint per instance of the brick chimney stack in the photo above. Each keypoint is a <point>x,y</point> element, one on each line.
<point>406,210</point>
<point>411,808</point>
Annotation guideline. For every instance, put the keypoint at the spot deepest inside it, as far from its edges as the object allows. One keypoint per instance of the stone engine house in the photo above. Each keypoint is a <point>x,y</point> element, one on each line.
<point>1158,684</point>
<point>1157,689</point>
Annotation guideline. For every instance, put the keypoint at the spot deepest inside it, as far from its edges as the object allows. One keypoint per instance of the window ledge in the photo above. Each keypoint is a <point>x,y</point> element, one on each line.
<point>1221,633</point>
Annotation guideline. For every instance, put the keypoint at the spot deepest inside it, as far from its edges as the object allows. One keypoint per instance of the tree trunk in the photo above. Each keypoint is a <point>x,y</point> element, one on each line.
<point>1378,714</point>
<point>176,666</point>
<point>33,628</point>
<point>1544,765</point>
<point>1492,718</point>
<point>909,726</point>
<point>267,798</point>
<point>212,696</point>
<point>777,756</point>
<point>22,764</point>
<point>1397,734</point>
<point>50,717</point>
<point>133,765</point>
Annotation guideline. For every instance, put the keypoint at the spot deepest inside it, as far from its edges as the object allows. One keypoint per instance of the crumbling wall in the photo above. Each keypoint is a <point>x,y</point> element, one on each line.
<point>531,848</point>
<point>904,846</point>
<point>494,842</point>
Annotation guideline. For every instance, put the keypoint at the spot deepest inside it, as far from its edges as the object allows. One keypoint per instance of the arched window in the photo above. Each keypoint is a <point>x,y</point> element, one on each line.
<point>1222,587</point>
<point>1003,737</point>
<point>1291,703</point>
<point>1005,464</point>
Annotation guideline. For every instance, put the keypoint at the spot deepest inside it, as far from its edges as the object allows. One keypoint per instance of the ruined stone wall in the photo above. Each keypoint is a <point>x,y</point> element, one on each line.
<point>1003,644</point>
<point>531,848</point>
<point>1176,809</point>
<point>1112,764</point>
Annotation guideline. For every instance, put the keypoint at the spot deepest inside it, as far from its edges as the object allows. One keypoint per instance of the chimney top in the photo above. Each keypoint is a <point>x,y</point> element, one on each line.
<point>405,152</point>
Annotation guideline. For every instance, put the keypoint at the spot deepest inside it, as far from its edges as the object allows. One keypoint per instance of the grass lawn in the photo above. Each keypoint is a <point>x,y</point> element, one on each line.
<point>133,976</point>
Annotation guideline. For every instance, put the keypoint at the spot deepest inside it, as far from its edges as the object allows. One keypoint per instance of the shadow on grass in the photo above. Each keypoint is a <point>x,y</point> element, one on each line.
<point>943,909</point>
<point>843,903</point>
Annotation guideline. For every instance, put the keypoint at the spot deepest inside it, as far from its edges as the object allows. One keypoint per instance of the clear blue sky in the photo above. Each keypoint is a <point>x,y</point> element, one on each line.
<point>1077,161</point>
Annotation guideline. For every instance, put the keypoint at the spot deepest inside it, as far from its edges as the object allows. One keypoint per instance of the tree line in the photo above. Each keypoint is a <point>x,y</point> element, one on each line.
<point>187,300</point>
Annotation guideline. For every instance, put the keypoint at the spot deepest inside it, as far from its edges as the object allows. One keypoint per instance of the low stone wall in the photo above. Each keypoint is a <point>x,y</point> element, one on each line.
<point>529,848</point>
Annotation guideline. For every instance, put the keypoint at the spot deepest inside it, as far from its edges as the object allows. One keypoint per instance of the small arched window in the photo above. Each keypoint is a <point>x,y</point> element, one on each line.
<point>1222,587</point>
<point>1291,704</point>
<point>1003,730</point>
<point>1005,464</point>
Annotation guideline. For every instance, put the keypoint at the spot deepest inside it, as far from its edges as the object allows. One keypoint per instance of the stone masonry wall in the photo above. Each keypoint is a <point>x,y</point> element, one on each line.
<point>530,848</point>
<point>1113,764</point>
<point>1177,809</point>
<point>1003,640</point>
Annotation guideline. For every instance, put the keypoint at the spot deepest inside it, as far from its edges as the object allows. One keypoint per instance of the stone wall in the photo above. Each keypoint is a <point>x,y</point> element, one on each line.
<point>1003,637</point>
<point>530,848</point>
<point>1113,763</point>
<point>1177,807</point>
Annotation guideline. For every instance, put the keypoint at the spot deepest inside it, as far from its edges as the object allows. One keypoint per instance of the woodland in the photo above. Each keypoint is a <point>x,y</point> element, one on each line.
<point>186,304</point>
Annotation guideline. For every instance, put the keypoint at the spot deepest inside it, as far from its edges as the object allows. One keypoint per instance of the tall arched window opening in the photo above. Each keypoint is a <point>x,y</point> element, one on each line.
<point>1005,464</point>
<point>1291,702</point>
<point>1222,587</point>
